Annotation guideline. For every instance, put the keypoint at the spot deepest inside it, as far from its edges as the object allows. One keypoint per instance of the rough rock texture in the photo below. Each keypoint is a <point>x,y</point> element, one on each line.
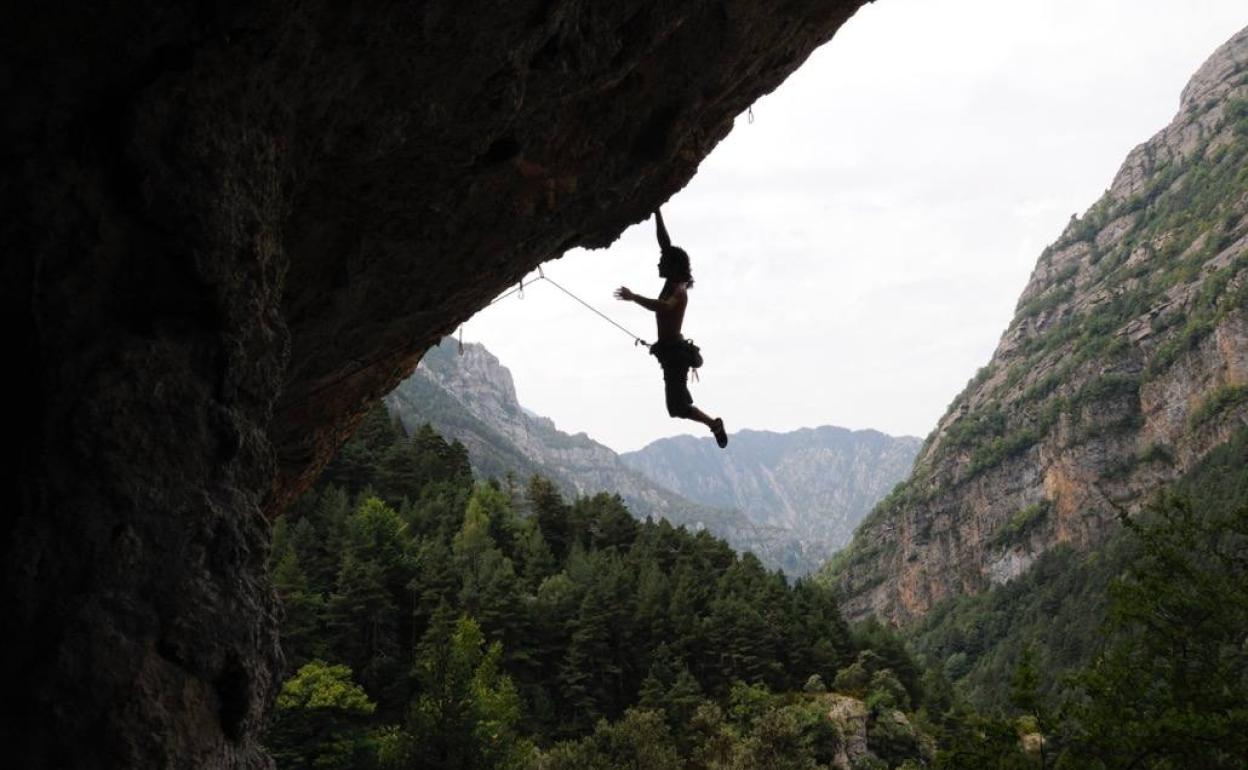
<point>810,487</point>
<point>230,226</point>
<point>1126,362</point>
<point>471,398</point>
<point>849,716</point>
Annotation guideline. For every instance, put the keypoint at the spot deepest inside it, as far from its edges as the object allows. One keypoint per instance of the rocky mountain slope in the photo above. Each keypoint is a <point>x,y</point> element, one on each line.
<point>791,498</point>
<point>1126,362</point>
<point>816,483</point>
<point>471,397</point>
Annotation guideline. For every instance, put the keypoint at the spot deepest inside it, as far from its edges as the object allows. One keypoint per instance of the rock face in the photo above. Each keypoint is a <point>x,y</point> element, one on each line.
<point>228,227</point>
<point>849,716</point>
<point>810,486</point>
<point>471,398</point>
<point>1126,362</point>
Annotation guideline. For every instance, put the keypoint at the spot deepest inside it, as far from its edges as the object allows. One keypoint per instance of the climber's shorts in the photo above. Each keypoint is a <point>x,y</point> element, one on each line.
<point>675,365</point>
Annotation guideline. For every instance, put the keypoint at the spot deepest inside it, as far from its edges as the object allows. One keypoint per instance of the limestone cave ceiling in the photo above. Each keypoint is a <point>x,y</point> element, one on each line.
<point>230,226</point>
<point>402,162</point>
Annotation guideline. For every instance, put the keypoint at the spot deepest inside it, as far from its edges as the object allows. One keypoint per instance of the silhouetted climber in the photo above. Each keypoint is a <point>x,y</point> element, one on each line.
<point>676,354</point>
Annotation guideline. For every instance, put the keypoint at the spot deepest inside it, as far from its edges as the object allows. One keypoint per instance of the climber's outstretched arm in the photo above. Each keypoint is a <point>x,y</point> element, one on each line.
<point>677,299</point>
<point>660,231</point>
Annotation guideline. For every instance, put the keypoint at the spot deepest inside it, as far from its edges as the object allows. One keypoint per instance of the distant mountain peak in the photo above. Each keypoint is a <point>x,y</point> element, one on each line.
<point>816,483</point>
<point>472,397</point>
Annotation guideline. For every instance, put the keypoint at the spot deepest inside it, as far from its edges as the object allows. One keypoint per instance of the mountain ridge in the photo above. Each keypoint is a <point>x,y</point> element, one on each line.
<point>1125,364</point>
<point>471,397</point>
<point>816,482</point>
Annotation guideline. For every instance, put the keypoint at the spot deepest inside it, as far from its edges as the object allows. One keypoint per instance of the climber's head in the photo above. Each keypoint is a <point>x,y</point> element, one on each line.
<point>674,265</point>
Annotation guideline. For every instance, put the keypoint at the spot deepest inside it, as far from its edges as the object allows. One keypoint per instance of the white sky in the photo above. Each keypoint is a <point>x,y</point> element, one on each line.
<point>859,247</point>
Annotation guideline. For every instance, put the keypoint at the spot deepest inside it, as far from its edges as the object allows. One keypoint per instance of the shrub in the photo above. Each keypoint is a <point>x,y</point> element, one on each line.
<point>1218,401</point>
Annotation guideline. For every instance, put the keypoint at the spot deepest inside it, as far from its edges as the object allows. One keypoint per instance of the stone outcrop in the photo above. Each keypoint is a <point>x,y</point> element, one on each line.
<point>849,716</point>
<point>1126,362</point>
<point>809,488</point>
<point>228,227</point>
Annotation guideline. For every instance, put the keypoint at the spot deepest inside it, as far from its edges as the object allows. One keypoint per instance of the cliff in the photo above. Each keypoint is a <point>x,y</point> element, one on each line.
<point>228,228</point>
<point>1125,364</point>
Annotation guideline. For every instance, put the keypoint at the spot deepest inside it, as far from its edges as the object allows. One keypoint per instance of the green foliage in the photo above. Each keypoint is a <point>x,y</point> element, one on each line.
<point>885,692</point>
<point>855,679</point>
<point>1222,399</point>
<point>1192,334</point>
<point>892,737</point>
<point>640,739</point>
<point>468,712</point>
<point>1162,674</point>
<point>1054,608</point>
<point>1055,296</point>
<point>1021,524</point>
<point>974,741</point>
<point>986,423</point>
<point>321,718</point>
<point>999,449</point>
<point>791,737</point>
<point>478,633</point>
<point>1169,689</point>
<point>1237,113</point>
<point>1105,406</point>
<point>320,686</point>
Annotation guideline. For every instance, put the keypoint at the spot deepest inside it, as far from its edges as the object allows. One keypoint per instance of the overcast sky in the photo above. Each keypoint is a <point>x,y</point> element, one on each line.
<point>860,246</point>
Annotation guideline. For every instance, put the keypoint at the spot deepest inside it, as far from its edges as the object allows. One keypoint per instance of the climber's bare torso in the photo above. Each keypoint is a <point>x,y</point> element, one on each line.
<point>669,316</point>
<point>668,308</point>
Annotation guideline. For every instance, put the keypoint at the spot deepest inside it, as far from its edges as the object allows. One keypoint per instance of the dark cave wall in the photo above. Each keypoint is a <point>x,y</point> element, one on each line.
<point>228,228</point>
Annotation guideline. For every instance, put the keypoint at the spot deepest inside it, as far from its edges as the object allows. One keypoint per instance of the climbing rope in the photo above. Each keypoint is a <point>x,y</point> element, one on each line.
<point>541,276</point>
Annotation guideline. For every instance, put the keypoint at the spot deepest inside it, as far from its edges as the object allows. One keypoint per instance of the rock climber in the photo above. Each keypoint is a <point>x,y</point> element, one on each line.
<point>676,354</point>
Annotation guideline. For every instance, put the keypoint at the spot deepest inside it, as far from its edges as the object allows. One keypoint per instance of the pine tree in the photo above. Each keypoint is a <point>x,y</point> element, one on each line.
<point>364,627</point>
<point>467,714</point>
<point>537,560</point>
<point>300,629</point>
<point>552,515</point>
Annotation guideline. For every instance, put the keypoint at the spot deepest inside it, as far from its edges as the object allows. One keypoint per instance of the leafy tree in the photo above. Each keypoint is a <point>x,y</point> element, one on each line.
<point>1169,690</point>
<point>639,740</point>
<point>787,738</point>
<point>321,718</point>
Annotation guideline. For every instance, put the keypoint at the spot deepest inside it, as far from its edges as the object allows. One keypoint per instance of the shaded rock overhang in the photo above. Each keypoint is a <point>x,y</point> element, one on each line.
<point>230,226</point>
